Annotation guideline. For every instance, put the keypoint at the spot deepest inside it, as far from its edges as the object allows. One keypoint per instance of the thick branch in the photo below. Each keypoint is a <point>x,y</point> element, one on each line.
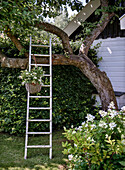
<point>99,79</point>
<point>12,62</point>
<point>15,41</point>
<point>60,33</point>
<point>104,20</point>
<point>47,27</point>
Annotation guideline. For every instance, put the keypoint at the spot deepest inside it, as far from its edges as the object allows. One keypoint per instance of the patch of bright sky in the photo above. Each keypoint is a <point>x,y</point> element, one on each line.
<point>70,12</point>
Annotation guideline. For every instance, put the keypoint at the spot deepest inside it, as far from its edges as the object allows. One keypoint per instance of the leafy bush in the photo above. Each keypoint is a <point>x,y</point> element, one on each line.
<point>71,100</point>
<point>98,142</point>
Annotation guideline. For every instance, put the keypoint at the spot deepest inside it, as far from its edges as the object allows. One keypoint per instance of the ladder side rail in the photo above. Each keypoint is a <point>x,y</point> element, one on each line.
<point>30,53</point>
<point>50,51</point>
<point>27,116</point>
<point>50,107</point>
<point>27,124</point>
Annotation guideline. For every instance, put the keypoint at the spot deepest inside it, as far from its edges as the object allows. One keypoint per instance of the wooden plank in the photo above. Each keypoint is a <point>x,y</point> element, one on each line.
<point>82,16</point>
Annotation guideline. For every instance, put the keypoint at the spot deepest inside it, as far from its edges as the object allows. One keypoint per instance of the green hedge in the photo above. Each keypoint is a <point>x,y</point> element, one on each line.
<point>71,100</point>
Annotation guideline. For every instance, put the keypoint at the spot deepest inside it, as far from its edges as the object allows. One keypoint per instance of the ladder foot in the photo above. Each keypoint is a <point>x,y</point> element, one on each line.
<point>25,157</point>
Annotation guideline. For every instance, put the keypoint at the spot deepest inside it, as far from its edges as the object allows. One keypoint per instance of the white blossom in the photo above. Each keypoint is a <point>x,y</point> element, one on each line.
<point>109,110</point>
<point>70,157</point>
<point>93,140</point>
<point>83,123</point>
<point>93,126</point>
<point>74,132</point>
<point>106,136</point>
<point>75,145</point>
<point>90,117</point>
<point>122,136</point>
<point>80,128</point>
<point>86,125</point>
<point>119,130</point>
<point>111,105</point>
<point>102,113</point>
<point>113,113</point>
<point>123,141</point>
<point>123,109</point>
<point>112,125</point>
<point>88,138</point>
<point>102,124</point>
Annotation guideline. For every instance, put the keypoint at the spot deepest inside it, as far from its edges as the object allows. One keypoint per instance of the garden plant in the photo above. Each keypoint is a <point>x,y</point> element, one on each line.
<point>33,79</point>
<point>98,142</point>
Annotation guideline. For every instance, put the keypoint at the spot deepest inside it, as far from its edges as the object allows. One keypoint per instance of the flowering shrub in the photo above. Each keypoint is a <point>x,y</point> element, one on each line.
<point>34,76</point>
<point>93,144</point>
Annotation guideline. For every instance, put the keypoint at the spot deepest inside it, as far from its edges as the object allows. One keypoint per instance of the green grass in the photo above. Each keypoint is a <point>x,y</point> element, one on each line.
<point>12,153</point>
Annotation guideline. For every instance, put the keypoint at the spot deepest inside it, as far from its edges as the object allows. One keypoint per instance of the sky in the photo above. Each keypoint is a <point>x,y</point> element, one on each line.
<point>70,12</point>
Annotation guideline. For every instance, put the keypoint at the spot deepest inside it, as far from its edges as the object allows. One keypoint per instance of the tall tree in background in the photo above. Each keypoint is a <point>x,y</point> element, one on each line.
<point>21,18</point>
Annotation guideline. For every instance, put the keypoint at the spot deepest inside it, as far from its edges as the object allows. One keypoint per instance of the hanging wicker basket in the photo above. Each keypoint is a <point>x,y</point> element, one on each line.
<point>33,88</point>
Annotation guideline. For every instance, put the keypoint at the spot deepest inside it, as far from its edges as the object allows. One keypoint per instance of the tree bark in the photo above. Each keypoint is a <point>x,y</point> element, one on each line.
<point>15,41</point>
<point>12,62</point>
<point>99,79</point>
<point>60,33</point>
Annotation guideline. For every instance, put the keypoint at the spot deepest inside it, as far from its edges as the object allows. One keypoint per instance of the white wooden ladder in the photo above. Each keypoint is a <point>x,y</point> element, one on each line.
<point>43,108</point>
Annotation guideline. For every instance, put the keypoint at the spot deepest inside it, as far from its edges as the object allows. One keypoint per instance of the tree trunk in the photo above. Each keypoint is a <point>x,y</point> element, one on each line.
<point>102,84</point>
<point>99,80</point>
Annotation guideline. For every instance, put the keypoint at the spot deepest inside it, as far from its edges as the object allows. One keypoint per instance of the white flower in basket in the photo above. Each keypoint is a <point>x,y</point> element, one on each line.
<point>33,79</point>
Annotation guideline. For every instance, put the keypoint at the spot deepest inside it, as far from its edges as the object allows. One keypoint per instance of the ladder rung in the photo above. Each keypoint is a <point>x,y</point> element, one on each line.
<point>46,86</point>
<point>42,108</point>
<point>40,64</point>
<point>48,75</point>
<point>34,45</point>
<point>38,133</point>
<point>39,120</point>
<point>40,96</point>
<point>39,146</point>
<point>41,55</point>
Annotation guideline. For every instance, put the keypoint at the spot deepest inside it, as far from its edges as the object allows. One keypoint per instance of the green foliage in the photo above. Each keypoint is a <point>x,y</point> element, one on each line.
<point>97,143</point>
<point>71,100</point>
<point>21,16</point>
<point>71,96</point>
<point>9,49</point>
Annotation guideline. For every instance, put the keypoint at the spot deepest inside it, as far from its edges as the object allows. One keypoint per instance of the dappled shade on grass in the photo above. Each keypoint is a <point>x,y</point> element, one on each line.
<point>12,153</point>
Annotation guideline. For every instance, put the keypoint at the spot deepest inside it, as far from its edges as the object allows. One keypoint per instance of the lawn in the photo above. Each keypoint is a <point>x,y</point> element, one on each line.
<point>12,153</point>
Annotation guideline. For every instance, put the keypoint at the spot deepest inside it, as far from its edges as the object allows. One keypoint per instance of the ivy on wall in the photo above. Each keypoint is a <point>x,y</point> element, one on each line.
<point>71,100</point>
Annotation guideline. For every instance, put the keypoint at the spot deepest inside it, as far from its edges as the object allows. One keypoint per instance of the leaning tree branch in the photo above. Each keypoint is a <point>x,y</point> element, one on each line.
<point>104,20</point>
<point>57,59</point>
<point>59,32</point>
<point>47,27</point>
<point>15,41</point>
<point>12,62</point>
